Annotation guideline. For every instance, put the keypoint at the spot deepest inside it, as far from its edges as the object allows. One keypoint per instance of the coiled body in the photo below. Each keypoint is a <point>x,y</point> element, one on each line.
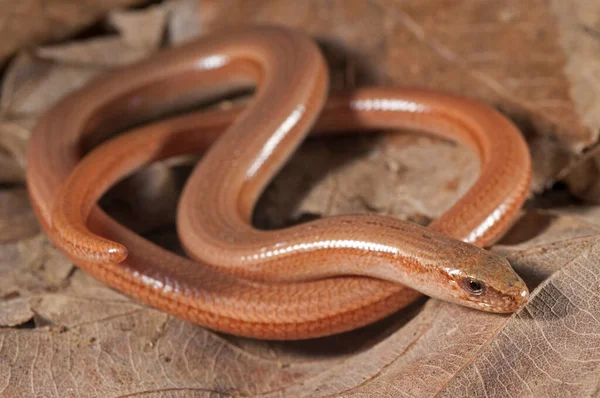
<point>288,284</point>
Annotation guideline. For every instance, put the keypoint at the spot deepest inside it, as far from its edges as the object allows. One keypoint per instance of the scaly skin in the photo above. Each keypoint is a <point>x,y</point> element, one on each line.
<point>230,287</point>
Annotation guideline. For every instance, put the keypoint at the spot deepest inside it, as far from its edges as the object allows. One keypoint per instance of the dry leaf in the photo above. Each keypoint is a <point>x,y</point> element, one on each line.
<point>147,200</point>
<point>117,346</point>
<point>10,170</point>
<point>26,22</point>
<point>184,19</point>
<point>17,220</point>
<point>140,34</point>
<point>33,82</point>
<point>14,135</point>
<point>581,41</point>
<point>87,340</point>
<point>339,177</point>
<point>32,85</point>
<point>142,29</point>
<point>505,53</point>
<point>15,311</point>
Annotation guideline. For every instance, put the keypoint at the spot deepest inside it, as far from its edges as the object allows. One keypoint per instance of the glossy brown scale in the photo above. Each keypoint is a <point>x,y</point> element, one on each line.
<point>231,285</point>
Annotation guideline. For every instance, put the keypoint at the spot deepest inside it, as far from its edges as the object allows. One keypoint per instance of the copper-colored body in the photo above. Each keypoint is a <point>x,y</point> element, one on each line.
<point>232,286</point>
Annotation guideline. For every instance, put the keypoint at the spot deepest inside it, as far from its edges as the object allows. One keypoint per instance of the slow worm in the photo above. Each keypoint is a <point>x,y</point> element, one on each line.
<point>310,280</point>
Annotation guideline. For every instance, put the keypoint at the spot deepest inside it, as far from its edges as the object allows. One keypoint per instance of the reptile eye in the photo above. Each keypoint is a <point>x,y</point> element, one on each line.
<point>473,286</point>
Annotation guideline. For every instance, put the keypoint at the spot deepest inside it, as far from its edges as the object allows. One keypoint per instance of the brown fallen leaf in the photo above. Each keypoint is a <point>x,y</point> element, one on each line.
<point>581,40</point>
<point>139,34</point>
<point>27,22</point>
<point>14,135</point>
<point>336,176</point>
<point>147,201</point>
<point>505,53</point>
<point>17,220</point>
<point>85,339</point>
<point>36,80</point>
<point>32,85</point>
<point>117,346</point>
<point>15,311</point>
<point>184,19</point>
<point>10,170</point>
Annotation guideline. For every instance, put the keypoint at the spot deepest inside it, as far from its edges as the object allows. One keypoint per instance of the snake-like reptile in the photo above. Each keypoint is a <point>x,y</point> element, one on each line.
<point>314,279</point>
